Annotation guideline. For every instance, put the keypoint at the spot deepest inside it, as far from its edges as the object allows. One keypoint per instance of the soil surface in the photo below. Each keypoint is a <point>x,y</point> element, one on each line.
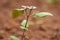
<point>49,30</point>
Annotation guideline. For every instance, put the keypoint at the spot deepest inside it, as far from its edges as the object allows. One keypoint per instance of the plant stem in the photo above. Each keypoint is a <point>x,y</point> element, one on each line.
<point>26,23</point>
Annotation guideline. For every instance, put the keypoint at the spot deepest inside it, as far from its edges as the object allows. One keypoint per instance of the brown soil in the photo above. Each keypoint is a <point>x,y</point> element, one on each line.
<point>49,30</point>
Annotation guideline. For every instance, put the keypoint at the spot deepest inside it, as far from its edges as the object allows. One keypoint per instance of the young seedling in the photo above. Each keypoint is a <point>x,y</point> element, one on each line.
<point>25,23</point>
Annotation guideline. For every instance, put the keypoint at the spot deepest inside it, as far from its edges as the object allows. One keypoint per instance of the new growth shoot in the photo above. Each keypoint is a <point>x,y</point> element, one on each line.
<point>25,23</point>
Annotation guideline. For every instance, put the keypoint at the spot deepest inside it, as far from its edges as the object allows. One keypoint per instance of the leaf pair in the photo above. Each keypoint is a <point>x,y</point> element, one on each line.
<point>23,24</point>
<point>18,12</point>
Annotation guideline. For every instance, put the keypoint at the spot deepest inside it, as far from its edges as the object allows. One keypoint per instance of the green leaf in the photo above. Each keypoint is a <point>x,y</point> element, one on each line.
<point>42,14</point>
<point>24,23</point>
<point>14,38</point>
<point>17,12</point>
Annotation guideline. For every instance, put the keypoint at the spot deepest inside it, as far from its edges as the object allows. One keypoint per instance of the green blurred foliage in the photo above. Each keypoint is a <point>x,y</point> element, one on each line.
<point>51,1</point>
<point>14,38</point>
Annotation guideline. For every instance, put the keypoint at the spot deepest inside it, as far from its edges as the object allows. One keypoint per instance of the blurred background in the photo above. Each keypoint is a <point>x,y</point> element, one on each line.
<point>49,30</point>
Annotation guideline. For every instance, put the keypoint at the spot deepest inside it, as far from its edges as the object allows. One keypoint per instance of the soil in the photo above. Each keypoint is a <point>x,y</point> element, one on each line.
<point>49,30</point>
